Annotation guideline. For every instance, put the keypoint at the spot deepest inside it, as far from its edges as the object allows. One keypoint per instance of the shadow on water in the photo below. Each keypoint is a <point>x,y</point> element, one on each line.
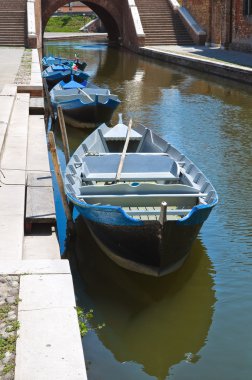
<point>155,322</point>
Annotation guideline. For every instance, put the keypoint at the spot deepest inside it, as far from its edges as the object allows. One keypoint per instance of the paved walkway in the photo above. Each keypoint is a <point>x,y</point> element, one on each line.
<point>49,344</point>
<point>234,58</point>
<point>78,35</point>
<point>10,60</point>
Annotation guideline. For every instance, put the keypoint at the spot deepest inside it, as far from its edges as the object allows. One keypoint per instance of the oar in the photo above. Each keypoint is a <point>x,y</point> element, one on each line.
<point>119,170</point>
<point>84,93</point>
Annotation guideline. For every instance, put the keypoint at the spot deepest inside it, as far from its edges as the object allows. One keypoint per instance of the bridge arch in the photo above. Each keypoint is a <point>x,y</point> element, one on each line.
<point>109,11</point>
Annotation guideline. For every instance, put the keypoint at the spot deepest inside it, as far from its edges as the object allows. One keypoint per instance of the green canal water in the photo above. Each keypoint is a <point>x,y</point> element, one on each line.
<point>196,323</point>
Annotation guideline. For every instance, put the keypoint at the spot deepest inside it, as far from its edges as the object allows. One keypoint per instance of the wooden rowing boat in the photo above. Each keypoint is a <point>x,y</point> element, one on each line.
<point>56,73</point>
<point>83,103</point>
<point>143,200</point>
<point>51,60</point>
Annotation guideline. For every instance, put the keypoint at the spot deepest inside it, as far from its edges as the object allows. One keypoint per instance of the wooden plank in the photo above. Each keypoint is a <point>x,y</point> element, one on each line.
<point>119,170</point>
<point>152,213</point>
<point>141,211</point>
<point>63,133</point>
<point>40,205</point>
<point>129,196</point>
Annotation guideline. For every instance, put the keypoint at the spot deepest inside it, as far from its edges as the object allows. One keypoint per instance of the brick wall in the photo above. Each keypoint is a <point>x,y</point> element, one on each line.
<point>199,9</point>
<point>241,28</point>
<point>214,16</point>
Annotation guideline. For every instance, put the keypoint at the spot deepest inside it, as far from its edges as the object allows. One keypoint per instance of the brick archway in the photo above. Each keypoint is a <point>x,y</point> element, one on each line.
<point>109,11</point>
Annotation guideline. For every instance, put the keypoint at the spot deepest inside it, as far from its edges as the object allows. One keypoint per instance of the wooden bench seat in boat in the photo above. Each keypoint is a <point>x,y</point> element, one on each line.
<point>142,195</point>
<point>153,213</point>
<point>70,94</point>
<point>137,167</point>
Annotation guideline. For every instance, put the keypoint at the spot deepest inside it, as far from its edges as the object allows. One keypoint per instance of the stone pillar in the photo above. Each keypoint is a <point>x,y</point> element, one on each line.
<point>226,32</point>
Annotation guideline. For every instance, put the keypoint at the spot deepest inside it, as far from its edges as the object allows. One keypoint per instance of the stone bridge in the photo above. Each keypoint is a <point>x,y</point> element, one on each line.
<point>120,18</point>
<point>164,21</point>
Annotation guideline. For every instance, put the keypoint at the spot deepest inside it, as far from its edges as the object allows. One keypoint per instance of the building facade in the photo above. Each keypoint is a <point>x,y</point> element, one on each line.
<point>227,22</point>
<point>74,7</point>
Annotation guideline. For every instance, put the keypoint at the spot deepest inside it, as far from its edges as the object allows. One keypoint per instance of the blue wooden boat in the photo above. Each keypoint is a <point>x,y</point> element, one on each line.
<point>83,103</point>
<point>56,73</point>
<point>143,201</point>
<point>51,60</point>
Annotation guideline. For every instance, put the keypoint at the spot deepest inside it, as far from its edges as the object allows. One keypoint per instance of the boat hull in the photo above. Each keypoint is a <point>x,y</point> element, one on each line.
<point>150,249</point>
<point>89,113</point>
<point>146,247</point>
<point>55,77</point>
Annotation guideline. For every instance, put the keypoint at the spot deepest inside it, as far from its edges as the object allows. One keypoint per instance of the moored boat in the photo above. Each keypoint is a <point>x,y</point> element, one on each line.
<point>143,200</point>
<point>51,60</point>
<point>83,103</point>
<point>56,73</point>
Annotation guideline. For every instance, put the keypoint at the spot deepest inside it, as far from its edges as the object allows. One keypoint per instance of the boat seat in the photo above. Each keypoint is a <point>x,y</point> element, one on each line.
<point>137,167</point>
<point>154,211</point>
<point>153,200</point>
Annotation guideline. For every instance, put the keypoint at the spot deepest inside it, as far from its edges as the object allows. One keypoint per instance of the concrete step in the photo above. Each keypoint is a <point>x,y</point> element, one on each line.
<point>12,37</point>
<point>40,207</point>
<point>167,30</point>
<point>17,44</point>
<point>11,26</point>
<point>7,99</point>
<point>11,33</point>
<point>49,344</point>
<point>161,24</point>
<point>14,153</point>
<point>153,18</point>
<point>12,13</point>
<point>12,190</point>
<point>42,244</point>
<point>19,35</point>
<point>7,42</point>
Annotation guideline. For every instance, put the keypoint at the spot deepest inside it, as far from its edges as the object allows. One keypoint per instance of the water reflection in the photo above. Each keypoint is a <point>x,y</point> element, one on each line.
<point>153,325</point>
<point>155,322</point>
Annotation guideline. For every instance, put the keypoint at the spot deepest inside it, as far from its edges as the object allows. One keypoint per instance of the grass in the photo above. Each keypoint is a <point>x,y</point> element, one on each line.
<point>66,23</point>
<point>8,344</point>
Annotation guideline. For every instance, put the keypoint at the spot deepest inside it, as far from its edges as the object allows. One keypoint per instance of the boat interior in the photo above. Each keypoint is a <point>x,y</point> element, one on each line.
<point>85,95</point>
<point>153,172</point>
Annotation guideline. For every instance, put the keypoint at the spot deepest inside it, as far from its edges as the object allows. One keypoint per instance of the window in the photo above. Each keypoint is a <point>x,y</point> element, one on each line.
<point>248,7</point>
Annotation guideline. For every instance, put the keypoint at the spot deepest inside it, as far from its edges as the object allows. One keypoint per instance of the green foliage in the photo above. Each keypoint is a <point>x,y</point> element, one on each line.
<point>8,368</point>
<point>13,326</point>
<point>7,344</point>
<point>84,318</point>
<point>4,310</point>
<point>66,23</point>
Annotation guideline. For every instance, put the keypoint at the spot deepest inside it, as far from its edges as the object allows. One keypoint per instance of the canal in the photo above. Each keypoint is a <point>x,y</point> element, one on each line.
<point>196,323</point>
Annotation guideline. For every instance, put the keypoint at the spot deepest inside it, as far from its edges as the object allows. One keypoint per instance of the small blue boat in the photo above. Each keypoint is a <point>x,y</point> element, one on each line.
<point>51,60</point>
<point>83,103</point>
<point>56,73</point>
<point>143,200</point>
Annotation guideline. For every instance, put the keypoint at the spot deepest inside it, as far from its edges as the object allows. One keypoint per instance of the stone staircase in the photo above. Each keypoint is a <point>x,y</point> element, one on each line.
<point>161,25</point>
<point>12,22</point>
